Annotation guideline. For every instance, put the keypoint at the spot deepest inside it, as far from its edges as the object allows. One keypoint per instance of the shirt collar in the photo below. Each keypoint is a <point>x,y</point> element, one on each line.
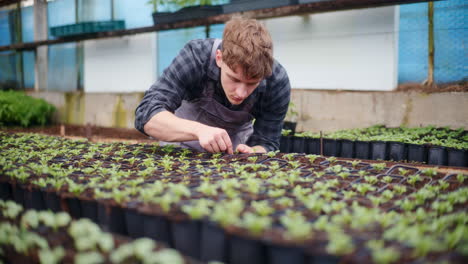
<point>213,70</point>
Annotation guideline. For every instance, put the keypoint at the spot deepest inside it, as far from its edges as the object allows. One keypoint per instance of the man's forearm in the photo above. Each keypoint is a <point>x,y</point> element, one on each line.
<point>166,126</point>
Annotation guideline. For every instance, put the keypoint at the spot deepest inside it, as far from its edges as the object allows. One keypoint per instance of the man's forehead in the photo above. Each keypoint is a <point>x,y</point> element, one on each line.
<point>238,73</point>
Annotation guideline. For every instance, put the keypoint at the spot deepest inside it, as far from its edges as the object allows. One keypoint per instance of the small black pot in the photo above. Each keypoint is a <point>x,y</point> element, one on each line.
<point>214,243</point>
<point>158,228</point>
<point>33,199</point>
<point>280,254</point>
<point>73,207</point>
<point>362,150</point>
<point>312,146</point>
<point>379,150</point>
<point>437,155</point>
<point>5,190</point>
<point>457,157</point>
<point>89,209</point>
<point>290,126</point>
<point>417,153</point>
<point>347,149</point>
<point>18,194</point>
<point>285,144</point>
<point>135,223</point>
<point>298,145</point>
<point>186,236</point>
<point>398,151</point>
<point>246,251</point>
<point>331,147</point>
<point>323,259</point>
<point>52,201</point>
<point>111,218</point>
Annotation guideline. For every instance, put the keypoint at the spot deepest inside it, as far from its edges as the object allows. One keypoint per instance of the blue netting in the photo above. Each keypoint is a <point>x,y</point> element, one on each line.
<point>63,68</point>
<point>10,76</point>
<point>172,41</point>
<point>136,13</point>
<point>450,42</point>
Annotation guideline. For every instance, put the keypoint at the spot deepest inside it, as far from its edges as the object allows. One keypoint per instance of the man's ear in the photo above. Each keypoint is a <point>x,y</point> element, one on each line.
<point>219,58</point>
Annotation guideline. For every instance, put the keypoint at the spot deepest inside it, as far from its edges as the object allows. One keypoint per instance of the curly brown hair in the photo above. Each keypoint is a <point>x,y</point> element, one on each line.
<point>247,43</point>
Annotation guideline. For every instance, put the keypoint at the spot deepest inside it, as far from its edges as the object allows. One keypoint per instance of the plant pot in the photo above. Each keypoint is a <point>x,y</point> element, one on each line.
<point>51,201</point>
<point>437,155</point>
<point>187,13</point>
<point>362,149</point>
<point>186,235</point>
<point>312,146</point>
<point>158,228</point>
<point>73,207</point>
<point>111,218</point>
<point>18,193</point>
<point>246,251</point>
<point>331,147</point>
<point>298,145</point>
<point>457,157</point>
<point>214,243</point>
<point>347,149</point>
<point>281,254</point>
<point>398,151</point>
<point>417,153</point>
<point>5,190</point>
<point>324,259</point>
<point>285,144</point>
<point>245,5</point>
<point>135,223</point>
<point>89,210</point>
<point>379,150</point>
<point>33,199</point>
<point>290,126</point>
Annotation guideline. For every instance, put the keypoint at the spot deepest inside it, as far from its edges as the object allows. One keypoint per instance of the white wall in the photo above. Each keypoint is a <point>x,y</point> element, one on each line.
<point>124,64</point>
<point>351,50</point>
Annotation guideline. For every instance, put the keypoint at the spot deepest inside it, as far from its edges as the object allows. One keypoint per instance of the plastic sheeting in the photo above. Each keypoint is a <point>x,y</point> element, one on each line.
<point>450,33</point>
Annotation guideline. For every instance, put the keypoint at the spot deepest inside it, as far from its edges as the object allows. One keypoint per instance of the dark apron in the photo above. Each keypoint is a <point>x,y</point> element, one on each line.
<point>206,110</point>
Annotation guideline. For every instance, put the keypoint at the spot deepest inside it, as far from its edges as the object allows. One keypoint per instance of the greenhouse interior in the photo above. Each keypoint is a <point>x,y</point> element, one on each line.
<point>233,131</point>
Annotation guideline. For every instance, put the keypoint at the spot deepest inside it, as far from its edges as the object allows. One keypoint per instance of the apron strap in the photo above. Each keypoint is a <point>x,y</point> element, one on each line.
<point>209,90</point>
<point>213,50</point>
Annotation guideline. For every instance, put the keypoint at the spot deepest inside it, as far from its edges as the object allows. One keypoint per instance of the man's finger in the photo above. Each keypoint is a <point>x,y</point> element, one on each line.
<point>227,141</point>
<point>244,148</point>
<point>221,144</point>
<point>214,146</point>
<point>207,147</point>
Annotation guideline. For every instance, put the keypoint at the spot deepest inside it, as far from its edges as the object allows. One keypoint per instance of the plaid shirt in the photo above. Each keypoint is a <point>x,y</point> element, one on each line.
<point>184,79</point>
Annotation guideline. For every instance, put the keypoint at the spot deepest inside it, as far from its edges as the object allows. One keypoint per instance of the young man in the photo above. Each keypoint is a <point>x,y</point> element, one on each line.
<point>208,98</point>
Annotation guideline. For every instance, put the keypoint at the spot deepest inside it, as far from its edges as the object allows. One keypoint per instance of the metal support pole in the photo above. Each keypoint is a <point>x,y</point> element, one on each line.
<point>40,33</point>
<point>430,75</point>
<point>19,54</point>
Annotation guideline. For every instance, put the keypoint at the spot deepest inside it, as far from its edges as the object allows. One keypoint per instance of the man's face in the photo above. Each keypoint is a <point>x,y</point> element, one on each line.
<point>236,86</point>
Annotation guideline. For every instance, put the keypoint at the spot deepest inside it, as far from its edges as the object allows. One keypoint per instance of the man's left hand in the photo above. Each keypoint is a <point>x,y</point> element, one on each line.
<point>242,148</point>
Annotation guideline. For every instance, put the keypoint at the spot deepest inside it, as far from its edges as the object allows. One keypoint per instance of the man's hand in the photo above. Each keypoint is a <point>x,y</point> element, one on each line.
<point>242,148</point>
<point>214,139</point>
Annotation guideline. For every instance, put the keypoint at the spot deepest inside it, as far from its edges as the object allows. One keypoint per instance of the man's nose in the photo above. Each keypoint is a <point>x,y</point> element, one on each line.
<point>241,91</point>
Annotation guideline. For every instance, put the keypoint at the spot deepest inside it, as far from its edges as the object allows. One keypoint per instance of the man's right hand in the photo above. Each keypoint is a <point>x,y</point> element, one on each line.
<point>214,139</point>
<point>165,126</point>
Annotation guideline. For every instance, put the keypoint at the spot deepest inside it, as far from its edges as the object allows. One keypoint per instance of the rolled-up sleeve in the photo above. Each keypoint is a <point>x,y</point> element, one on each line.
<point>183,74</point>
<point>271,110</point>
